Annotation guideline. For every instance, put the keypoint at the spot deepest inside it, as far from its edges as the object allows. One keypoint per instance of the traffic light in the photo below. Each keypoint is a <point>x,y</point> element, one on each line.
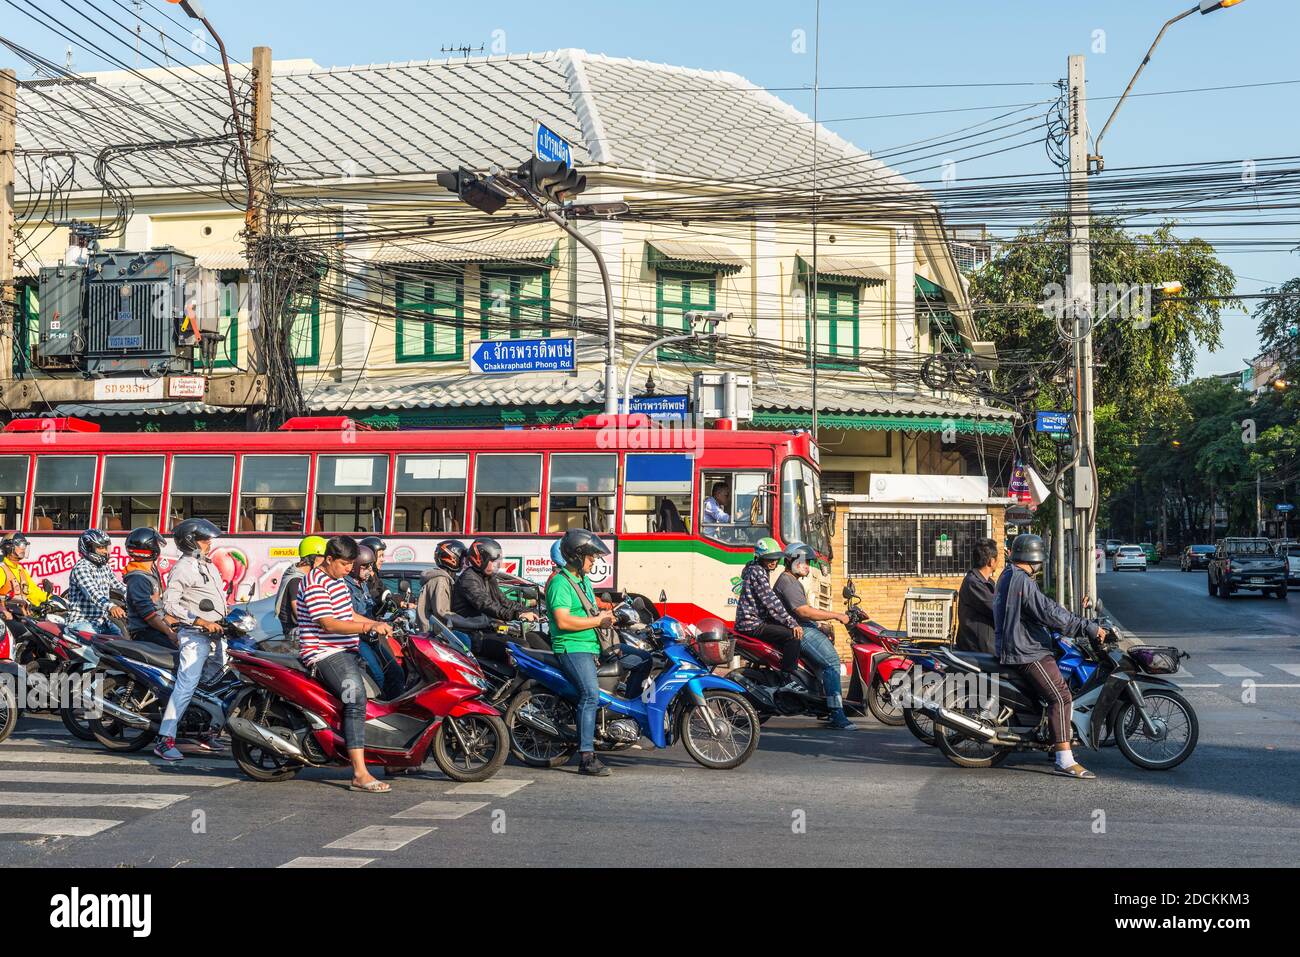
<point>554,180</point>
<point>473,190</point>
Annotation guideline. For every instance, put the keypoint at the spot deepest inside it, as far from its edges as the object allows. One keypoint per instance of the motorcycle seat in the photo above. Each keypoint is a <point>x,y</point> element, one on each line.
<point>980,659</point>
<point>609,669</point>
<point>284,660</point>
<point>144,651</point>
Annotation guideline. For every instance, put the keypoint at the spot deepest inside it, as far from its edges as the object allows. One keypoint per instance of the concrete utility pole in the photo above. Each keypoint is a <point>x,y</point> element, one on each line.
<point>259,196</point>
<point>1080,294</point>
<point>8,245</point>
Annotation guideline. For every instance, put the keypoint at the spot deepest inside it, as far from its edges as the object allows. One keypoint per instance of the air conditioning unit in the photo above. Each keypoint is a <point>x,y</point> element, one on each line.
<point>61,336</point>
<point>135,311</point>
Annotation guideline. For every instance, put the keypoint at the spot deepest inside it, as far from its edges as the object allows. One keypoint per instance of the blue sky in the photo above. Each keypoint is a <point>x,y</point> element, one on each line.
<point>864,42</point>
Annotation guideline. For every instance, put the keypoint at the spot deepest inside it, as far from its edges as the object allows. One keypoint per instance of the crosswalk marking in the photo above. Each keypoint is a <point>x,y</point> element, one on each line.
<point>1236,671</point>
<point>150,802</point>
<point>1289,669</point>
<point>441,810</point>
<point>495,787</point>
<point>84,756</point>
<point>55,826</point>
<point>329,862</point>
<point>171,779</point>
<point>379,837</point>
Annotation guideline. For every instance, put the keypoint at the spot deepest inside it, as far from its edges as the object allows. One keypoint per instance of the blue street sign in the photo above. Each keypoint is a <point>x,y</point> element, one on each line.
<point>1285,507</point>
<point>1053,423</point>
<point>506,356</point>
<point>661,406</point>
<point>550,147</point>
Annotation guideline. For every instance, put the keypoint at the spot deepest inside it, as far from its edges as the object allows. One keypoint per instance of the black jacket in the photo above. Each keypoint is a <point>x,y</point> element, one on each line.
<point>1025,619</point>
<point>476,594</point>
<point>975,614</point>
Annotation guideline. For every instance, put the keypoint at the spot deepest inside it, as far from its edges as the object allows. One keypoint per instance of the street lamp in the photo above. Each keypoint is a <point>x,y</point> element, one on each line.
<point>1203,7</point>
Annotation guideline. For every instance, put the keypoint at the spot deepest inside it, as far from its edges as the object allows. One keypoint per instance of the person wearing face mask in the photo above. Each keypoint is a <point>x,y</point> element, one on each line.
<point>477,591</point>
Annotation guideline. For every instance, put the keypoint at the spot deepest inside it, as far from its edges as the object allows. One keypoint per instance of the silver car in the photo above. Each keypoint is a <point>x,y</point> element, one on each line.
<point>1129,556</point>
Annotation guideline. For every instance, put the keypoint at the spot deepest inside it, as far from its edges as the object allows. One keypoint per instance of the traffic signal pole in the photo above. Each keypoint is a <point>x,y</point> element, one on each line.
<point>8,244</point>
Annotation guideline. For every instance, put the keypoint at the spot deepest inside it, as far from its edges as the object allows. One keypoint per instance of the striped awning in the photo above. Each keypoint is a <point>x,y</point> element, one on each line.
<point>693,256</point>
<point>539,252</point>
<point>843,269</point>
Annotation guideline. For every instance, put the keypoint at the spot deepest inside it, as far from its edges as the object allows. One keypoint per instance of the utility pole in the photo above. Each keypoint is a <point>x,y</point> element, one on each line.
<point>8,246</point>
<point>257,214</point>
<point>1080,293</point>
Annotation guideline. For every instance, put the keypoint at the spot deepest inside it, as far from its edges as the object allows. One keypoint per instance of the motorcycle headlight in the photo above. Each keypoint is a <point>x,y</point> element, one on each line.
<point>477,681</point>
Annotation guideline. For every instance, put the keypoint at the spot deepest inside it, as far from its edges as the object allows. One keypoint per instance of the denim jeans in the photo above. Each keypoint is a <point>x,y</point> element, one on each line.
<point>383,667</point>
<point>195,648</point>
<point>341,674</point>
<point>580,669</point>
<point>820,650</point>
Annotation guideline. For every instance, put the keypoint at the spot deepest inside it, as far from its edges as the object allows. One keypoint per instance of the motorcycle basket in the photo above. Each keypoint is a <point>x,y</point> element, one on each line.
<point>714,652</point>
<point>1156,660</point>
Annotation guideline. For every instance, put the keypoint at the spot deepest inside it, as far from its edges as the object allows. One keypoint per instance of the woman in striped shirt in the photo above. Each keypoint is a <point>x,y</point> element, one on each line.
<point>328,637</point>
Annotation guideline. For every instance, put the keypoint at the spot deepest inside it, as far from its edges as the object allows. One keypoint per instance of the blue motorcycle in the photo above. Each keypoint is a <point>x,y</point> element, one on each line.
<point>682,699</point>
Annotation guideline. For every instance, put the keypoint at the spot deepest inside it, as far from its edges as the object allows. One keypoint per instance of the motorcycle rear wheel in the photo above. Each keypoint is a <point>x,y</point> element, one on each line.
<point>114,735</point>
<point>536,748</point>
<point>263,764</point>
<point>736,742</point>
<point>489,742</point>
<point>960,748</point>
<point>8,710</point>
<point>882,705</point>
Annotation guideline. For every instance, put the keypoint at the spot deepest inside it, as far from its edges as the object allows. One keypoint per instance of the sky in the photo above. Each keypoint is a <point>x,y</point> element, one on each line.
<point>863,43</point>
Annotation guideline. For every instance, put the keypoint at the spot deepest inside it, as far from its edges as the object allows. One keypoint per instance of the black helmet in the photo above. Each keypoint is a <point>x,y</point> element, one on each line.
<point>578,543</point>
<point>483,552</point>
<point>91,539</point>
<point>1028,549</point>
<point>187,534</point>
<point>798,552</point>
<point>374,543</point>
<point>11,543</point>
<point>450,554</point>
<point>144,544</point>
<point>365,557</point>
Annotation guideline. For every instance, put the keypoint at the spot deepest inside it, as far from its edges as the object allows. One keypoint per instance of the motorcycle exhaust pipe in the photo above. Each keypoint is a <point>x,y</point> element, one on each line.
<point>538,723</point>
<point>256,734</point>
<point>117,713</point>
<point>958,722</point>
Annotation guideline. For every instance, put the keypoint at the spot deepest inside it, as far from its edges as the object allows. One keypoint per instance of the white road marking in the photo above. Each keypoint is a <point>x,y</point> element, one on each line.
<point>441,810</point>
<point>496,787</point>
<point>55,826</point>
<point>171,779</point>
<point>1236,671</point>
<point>329,862</point>
<point>83,756</point>
<point>1289,669</point>
<point>379,837</point>
<point>150,802</point>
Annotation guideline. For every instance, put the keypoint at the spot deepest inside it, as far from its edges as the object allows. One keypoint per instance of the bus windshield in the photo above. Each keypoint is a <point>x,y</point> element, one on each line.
<point>801,515</point>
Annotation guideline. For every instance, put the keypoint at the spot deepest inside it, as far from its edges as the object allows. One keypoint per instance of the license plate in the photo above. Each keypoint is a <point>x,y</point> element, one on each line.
<point>1257,581</point>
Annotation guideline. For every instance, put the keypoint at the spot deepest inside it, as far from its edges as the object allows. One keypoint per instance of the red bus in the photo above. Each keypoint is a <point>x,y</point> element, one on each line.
<point>641,485</point>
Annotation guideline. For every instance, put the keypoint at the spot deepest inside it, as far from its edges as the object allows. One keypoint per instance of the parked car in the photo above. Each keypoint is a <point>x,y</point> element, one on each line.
<point>1195,556</point>
<point>1111,545</point>
<point>1291,552</point>
<point>1149,550</point>
<point>1246,563</point>
<point>1129,556</point>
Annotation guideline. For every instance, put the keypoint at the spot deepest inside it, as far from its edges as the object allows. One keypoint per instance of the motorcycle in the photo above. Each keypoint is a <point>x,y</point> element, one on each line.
<point>10,683</point>
<point>881,659</point>
<point>285,720</point>
<point>1119,692</point>
<point>51,656</point>
<point>681,700</point>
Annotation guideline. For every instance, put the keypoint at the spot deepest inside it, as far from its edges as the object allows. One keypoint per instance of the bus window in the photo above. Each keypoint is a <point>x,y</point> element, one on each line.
<point>657,493</point>
<point>132,492</point>
<point>430,495</point>
<point>507,493</point>
<point>736,507</point>
<point>801,516</point>
<point>13,491</point>
<point>201,488</point>
<point>582,492</point>
<point>273,493</point>
<point>64,486</point>
<point>350,493</point>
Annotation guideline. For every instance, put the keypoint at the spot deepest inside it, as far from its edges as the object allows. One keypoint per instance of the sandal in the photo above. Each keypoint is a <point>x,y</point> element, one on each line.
<point>374,787</point>
<point>1075,771</point>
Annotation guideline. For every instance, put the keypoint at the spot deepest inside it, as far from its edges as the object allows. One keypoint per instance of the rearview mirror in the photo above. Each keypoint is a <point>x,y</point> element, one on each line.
<point>663,597</point>
<point>206,605</point>
<point>849,591</point>
<point>404,586</point>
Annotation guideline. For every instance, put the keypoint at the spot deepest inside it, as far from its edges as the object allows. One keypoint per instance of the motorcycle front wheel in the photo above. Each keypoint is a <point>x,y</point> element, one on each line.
<point>8,710</point>
<point>919,723</point>
<point>737,730</point>
<point>534,747</point>
<point>883,704</point>
<point>487,742</point>
<point>1177,724</point>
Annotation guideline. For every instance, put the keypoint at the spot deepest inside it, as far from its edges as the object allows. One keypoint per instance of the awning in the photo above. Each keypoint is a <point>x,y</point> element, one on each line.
<point>710,258</point>
<point>925,289</point>
<point>222,259</point>
<point>843,269</point>
<point>880,423</point>
<point>540,252</point>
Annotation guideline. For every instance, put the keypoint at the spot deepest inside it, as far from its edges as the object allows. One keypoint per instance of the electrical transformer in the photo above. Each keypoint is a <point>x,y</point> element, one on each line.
<point>135,317</point>
<point>61,335</point>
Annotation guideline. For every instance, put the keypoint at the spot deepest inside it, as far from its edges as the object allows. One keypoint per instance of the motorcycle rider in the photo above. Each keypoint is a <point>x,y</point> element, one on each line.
<point>817,645</point>
<point>378,657</point>
<point>1024,619</point>
<point>311,552</point>
<point>761,613</point>
<point>375,584</point>
<point>145,618</point>
<point>434,601</point>
<point>329,633</point>
<point>477,591</point>
<point>571,609</point>
<point>90,586</point>
<point>15,581</point>
<point>192,581</point>
<point>975,600</point>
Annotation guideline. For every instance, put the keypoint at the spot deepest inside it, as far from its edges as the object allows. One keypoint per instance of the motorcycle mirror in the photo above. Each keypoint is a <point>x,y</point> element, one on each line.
<point>47,586</point>
<point>404,586</point>
<point>206,605</point>
<point>663,597</point>
<point>849,591</point>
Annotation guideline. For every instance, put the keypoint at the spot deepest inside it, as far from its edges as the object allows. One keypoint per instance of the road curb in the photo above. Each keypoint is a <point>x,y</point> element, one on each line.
<point>1127,639</point>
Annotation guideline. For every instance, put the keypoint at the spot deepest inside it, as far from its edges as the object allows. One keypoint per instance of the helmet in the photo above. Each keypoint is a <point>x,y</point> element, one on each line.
<point>798,552</point>
<point>483,552</point>
<point>1028,549</point>
<point>91,539</point>
<point>242,621</point>
<point>557,556</point>
<point>450,554</point>
<point>767,548</point>
<point>578,543</point>
<point>11,543</point>
<point>312,546</point>
<point>711,629</point>
<point>188,533</point>
<point>374,543</point>
<point>365,557</point>
<point>144,544</point>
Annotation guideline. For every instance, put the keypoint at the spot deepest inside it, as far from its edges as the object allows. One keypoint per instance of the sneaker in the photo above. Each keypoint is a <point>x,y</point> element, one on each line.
<point>793,686</point>
<point>209,744</point>
<point>166,750</point>
<point>593,767</point>
<point>839,721</point>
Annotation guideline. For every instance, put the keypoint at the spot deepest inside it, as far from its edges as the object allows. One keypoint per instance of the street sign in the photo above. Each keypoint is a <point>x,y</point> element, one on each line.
<point>1053,423</point>
<point>550,147</point>
<point>661,406</point>
<point>507,356</point>
<point>1285,507</point>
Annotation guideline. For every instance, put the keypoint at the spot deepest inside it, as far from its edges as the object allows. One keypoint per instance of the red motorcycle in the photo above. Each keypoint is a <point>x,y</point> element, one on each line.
<point>880,661</point>
<point>287,720</point>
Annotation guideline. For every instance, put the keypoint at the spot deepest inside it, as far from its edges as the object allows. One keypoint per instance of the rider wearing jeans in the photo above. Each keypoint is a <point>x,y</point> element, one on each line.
<point>1024,620</point>
<point>761,613</point>
<point>817,646</point>
<point>571,607</point>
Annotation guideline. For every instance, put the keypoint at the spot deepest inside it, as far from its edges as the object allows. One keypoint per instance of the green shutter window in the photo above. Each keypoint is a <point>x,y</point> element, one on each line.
<point>675,295</point>
<point>837,327</point>
<point>226,355</point>
<point>304,334</point>
<point>515,304</point>
<point>430,320</point>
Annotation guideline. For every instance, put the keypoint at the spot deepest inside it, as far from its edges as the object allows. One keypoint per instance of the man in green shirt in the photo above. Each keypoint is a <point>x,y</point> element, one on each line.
<point>574,618</point>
